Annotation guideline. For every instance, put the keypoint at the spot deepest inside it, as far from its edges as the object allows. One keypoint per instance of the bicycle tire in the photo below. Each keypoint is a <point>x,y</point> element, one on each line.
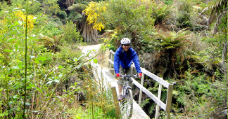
<point>129,103</point>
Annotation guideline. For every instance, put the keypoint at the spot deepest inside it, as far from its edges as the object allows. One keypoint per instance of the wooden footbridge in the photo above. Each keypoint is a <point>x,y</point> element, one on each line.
<point>106,75</point>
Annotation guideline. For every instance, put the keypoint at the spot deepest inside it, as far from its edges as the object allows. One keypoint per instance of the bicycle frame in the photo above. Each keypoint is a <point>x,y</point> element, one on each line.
<point>127,102</point>
<point>126,84</point>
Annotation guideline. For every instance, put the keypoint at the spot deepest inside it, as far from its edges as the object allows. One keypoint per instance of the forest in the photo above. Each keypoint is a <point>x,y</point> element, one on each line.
<point>44,74</point>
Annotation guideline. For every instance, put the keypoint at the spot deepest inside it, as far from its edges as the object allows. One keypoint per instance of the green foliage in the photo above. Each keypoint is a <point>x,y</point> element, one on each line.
<point>169,2</point>
<point>109,41</point>
<point>222,26</point>
<point>160,12</point>
<point>216,7</point>
<point>211,54</point>
<point>77,7</point>
<point>184,14</point>
<point>70,33</point>
<point>34,7</point>
<point>169,48</point>
<point>197,94</point>
<point>128,17</point>
<point>50,6</point>
<point>75,12</point>
<point>99,99</point>
<point>52,29</point>
<point>62,14</point>
<point>172,40</point>
<point>73,16</point>
<point>47,70</point>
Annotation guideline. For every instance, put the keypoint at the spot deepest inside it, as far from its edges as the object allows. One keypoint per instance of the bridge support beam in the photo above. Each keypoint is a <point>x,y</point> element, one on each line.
<point>169,100</point>
<point>157,113</point>
<point>116,102</point>
<point>140,93</point>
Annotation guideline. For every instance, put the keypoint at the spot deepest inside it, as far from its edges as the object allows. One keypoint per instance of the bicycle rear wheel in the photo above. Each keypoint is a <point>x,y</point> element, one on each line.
<point>128,103</point>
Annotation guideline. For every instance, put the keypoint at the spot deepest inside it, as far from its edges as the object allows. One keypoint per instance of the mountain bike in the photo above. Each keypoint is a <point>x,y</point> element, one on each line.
<point>126,104</point>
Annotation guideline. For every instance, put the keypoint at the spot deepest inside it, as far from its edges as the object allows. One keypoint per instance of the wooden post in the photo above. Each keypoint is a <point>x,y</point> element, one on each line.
<point>140,93</point>
<point>169,100</point>
<point>110,57</point>
<point>116,102</point>
<point>157,107</point>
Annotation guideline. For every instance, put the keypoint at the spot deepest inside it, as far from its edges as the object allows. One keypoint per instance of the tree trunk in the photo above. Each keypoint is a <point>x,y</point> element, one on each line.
<point>89,34</point>
<point>224,54</point>
<point>215,30</point>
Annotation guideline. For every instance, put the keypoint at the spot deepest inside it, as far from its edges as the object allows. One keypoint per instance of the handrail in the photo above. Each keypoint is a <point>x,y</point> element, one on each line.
<point>151,95</point>
<point>107,80</point>
<point>166,107</point>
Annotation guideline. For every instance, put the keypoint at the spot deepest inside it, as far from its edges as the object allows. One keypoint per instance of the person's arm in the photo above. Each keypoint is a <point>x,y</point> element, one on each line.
<point>116,62</point>
<point>137,64</point>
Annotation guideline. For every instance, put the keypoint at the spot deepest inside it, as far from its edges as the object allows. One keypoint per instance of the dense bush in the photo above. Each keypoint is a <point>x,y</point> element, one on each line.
<point>184,12</point>
<point>51,82</point>
<point>70,33</point>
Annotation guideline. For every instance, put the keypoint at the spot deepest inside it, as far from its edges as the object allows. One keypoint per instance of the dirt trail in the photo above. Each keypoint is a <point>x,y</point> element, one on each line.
<point>95,49</point>
<point>85,49</point>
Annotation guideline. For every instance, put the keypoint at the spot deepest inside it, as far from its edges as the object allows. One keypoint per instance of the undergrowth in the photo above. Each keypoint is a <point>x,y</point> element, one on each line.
<point>197,96</point>
<point>56,79</point>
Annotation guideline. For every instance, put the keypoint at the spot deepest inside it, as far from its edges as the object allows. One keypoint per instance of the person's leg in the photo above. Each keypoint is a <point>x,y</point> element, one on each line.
<point>120,83</point>
<point>130,72</point>
<point>120,87</point>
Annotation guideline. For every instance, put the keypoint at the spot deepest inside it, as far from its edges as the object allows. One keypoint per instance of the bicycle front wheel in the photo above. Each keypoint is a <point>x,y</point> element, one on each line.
<point>128,103</point>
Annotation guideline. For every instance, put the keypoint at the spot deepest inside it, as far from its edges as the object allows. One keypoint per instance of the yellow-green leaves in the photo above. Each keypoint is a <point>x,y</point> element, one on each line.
<point>95,61</point>
<point>22,17</point>
<point>93,12</point>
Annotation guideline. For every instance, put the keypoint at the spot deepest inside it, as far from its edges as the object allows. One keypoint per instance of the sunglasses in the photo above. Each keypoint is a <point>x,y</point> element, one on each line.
<point>126,45</point>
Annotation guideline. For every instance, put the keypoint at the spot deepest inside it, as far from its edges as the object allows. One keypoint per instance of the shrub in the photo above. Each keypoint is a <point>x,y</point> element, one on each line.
<point>184,14</point>
<point>160,12</point>
<point>70,33</point>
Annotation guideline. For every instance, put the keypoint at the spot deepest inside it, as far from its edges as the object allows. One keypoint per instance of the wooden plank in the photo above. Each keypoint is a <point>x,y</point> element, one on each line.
<point>152,96</point>
<point>169,100</point>
<point>110,57</point>
<point>156,78</point>
<point>138,113</point>
<point>159,97</point>
<point>112,52</point>
<point>116,102</point>
<point>140,93</point>
<point>111,61</point>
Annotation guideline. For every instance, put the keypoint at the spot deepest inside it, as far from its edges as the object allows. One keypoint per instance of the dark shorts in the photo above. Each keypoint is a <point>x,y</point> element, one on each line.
<point>129,71</point>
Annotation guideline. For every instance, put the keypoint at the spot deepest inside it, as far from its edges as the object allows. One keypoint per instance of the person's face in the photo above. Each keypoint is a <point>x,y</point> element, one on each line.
<point>126,47</point>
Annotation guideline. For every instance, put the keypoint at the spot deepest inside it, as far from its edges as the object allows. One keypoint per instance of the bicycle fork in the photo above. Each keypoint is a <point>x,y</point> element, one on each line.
<point>125,91</point>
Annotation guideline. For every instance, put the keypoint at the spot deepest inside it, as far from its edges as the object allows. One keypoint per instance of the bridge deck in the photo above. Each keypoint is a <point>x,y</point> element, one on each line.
<point>138,113</point>
<point>110,80</point>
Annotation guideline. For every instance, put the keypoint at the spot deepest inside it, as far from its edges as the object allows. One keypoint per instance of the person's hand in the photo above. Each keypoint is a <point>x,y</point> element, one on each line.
<point>140,75</point>
<point>117,75</point>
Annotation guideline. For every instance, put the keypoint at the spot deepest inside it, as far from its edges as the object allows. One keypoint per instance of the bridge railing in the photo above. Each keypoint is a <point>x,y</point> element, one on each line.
<point>157,99</point>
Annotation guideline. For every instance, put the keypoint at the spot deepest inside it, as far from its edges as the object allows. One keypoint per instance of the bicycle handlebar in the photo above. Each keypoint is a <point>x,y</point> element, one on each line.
<point>134,76</point>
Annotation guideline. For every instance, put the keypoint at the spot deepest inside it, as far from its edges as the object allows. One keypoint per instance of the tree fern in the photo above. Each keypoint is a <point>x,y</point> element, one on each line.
<point>160,12</point>
<point>216,6</point>
<point>172,40</point>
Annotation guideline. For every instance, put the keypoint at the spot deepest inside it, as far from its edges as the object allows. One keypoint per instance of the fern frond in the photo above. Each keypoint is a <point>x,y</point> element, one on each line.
<point>216,7</point>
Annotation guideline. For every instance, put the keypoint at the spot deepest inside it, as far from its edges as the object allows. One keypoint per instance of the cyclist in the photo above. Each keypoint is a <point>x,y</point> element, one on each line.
<point>123,59</point>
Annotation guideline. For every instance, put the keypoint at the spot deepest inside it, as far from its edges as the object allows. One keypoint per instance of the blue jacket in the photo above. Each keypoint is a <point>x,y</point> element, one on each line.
<point>125,59</point>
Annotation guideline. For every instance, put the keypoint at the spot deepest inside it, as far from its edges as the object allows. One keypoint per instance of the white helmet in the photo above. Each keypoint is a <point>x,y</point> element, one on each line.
<point>125,41</point>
